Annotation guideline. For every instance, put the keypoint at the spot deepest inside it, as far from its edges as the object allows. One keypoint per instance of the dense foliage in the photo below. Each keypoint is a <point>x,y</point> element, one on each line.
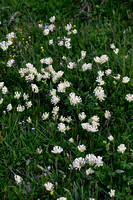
<point>66,100</point>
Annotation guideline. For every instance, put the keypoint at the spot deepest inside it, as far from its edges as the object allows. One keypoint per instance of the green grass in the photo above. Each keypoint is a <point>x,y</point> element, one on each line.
<point>99,24</point>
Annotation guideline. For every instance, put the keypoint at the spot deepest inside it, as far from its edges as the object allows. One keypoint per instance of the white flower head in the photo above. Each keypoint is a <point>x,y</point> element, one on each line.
<point>121,148</point>
<point>71,140</point>
<point>125,79</point>
<point>49,186</point>
<point>57,149</point>
<point>78,163</point>
<point>4,90</point>
<point>116,51</point>
<point>1,100</point>
<point>9,107</point>
<point>108,72</point>
<point>81,148</point>
<point>112,193</point>
<point>82,116</point>
<point>1,85</point>
<point>29,120</point>
<point>46,31</point>
<point>107,114</point>
<point>18,179</point>
<point>45,115</point>
<point>52,19</point>
<point>89,171</point>
<point>62,127</point>
<point>74,31</point>
<point>129,97</point>
<point>51,42</point>
<point>112,46</point>
<point>111,138</point>
<point>17,95</point>
<point>83,54</point>
<point>39,150</point>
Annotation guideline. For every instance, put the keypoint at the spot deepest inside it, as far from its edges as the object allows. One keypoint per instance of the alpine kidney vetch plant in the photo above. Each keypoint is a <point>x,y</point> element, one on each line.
<point>71,112</point>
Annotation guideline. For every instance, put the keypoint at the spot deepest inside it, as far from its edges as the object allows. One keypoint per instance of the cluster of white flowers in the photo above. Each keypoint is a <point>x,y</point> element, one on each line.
<point>115,50</point>
<point>10,62</point>
<point>30,71</point>
<point>102,59</point>
<point>11,35</point>
<point>45,115</point>
<point>86,66</point>
<point>4,88</point>
<point>99,93</point>
<point>65,119</point>
<point>67,42</point>
<point>55,112</point>
<point>55,75</point>
<point>99,78</point>
<point>62,86</point>
<point>47,61</point>
<point>129,97</point>
<point>91,127</point>
<point>4,44</point>
<point>49,186</point>
<point>50,27</point>
<point>69,30</point>
<point>64,42</point>
<point>82,116</point>
<point>107,114</point>
<point>54,99</point>
<point>121,148</point>
<point>57,149</point>
<point>74,100</point>
<point>93,160</point>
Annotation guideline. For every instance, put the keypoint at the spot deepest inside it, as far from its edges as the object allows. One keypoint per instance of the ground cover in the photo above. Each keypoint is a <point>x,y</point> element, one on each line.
<point>66,98</point>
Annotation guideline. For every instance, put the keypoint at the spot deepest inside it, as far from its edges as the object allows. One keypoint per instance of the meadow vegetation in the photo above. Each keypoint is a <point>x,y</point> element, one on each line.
<point>66,100</point>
